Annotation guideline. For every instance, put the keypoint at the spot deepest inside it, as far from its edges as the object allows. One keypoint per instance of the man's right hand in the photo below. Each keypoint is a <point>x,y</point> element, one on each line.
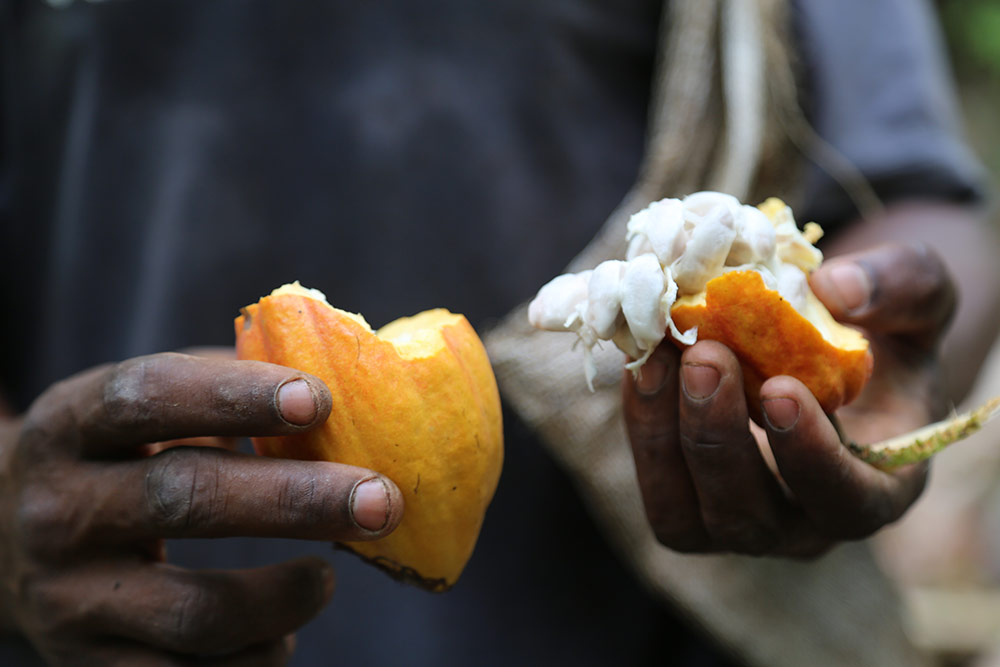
<point>84,511</point>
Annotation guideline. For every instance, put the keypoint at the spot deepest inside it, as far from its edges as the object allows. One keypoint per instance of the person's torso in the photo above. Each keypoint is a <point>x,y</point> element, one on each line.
<point>167,162</point>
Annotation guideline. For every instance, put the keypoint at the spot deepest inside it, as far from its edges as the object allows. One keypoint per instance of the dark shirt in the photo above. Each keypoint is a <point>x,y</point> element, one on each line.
<point>168,161</point>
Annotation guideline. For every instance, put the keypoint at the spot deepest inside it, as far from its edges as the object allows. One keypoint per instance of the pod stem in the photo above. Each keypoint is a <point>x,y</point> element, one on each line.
<point>924,442</point>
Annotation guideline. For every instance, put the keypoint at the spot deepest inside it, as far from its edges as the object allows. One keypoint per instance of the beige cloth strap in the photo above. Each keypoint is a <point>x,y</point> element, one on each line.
<point>838,610</point>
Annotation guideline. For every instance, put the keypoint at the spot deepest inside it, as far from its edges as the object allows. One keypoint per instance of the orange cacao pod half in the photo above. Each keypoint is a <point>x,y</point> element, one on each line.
<point>416,401</point>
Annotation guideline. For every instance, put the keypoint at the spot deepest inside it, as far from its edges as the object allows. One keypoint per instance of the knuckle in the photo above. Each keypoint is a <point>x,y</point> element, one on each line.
<point>716,433</point>
<point>708,449</point>
<point>135,388</point>
<point>35,442</point>
<point>48,425</point>
<point>649,422</point>
<point>54,421</point>
<point>45,522</point>
<point>928,283</point>
<point>935,284</point>
<point>180,489</point>
<point>128,392</point>
<point>51,401</point>
<point>301,500</point>
<point>649,443</point>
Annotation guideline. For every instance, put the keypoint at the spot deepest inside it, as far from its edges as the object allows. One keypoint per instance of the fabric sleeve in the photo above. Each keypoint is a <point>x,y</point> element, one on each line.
<point>879,91</point>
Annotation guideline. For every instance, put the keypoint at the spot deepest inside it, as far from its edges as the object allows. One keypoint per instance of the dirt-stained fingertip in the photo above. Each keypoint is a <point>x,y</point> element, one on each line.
<point>296,402</point>
<point>652,376</point>
<point>781,412</point>
<point>700,381</point>
<point>376,506</point>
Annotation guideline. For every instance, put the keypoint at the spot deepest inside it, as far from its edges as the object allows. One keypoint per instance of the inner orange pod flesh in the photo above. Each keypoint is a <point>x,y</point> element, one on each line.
<point>416,401</point>
<point>770,337</point>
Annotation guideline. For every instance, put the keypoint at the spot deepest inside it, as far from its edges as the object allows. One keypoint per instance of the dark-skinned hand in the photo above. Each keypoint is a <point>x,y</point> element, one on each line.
<point>85,505</point>
<point>711,482</point>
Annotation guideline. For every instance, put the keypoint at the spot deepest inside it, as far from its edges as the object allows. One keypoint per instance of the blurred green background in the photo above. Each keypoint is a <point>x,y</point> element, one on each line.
<point>972,30</point>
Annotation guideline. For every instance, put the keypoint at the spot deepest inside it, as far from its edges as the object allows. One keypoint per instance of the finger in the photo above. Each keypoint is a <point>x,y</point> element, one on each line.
<point>172,396</point>
<point>218,442</point>
<point>843,496</point>
<point>897,289</point>
<point>190,612</point>
<point>650,411</point>
<point>740,498</point>
<point>197,492</point>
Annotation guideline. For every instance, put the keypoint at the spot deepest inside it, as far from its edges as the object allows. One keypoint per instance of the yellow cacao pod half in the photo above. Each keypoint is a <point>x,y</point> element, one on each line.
<point>416,401</point>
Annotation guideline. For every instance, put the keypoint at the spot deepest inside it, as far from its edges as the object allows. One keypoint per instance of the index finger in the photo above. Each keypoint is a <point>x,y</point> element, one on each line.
<point>111,410</point>
<point>194,492</point>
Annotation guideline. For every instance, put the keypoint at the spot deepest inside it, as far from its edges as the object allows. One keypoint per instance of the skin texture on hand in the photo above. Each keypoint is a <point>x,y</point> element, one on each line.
<point>711,481</point>
<point>85,505</point>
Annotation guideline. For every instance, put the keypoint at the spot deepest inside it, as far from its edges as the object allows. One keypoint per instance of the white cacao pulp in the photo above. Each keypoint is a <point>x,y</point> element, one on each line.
<point>675,246</point>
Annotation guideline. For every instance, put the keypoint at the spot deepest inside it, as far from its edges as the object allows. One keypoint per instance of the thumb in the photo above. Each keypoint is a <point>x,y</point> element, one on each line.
<point>901,289</point>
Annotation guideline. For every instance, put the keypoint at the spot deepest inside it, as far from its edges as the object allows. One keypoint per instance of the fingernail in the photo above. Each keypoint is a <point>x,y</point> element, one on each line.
<point>370,505</point>
<point>781,413</point>
<point>700,381</point>
<point>651,377</point>
<point>296,403</point>
<point>851,284</point>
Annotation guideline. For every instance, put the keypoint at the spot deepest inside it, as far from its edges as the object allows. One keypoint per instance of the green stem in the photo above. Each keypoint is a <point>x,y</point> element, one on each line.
<point>924,442</point>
